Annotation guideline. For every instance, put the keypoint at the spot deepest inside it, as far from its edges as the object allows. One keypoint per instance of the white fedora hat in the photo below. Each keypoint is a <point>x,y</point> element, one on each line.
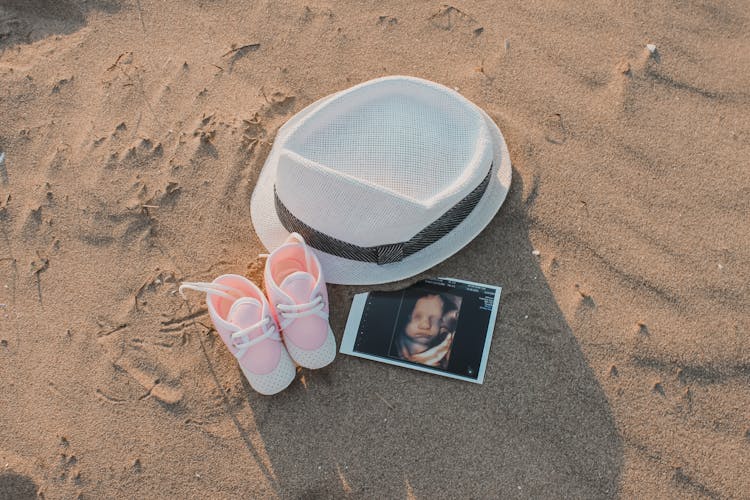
<point>383,180</point>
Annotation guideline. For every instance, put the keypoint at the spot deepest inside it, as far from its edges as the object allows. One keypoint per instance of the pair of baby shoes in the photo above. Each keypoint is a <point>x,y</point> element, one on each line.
<point>268,333</point>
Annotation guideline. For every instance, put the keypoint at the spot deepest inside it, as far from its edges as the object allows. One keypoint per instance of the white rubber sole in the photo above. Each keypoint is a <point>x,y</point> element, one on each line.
<point>320,357</point>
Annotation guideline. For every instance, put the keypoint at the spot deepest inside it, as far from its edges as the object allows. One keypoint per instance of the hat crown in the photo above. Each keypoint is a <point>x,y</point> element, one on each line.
<point>377,163</point>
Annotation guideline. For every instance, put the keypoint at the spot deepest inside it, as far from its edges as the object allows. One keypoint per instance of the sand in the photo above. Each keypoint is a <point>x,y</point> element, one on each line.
<point>132,133</point>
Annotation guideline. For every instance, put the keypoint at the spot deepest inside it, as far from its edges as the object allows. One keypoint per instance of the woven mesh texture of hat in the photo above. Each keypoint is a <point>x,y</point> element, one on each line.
<point>399,142</point>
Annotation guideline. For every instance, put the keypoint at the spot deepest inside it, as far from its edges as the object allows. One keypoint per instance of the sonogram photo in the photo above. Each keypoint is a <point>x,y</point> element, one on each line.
<point>438,325</point>
<point>426,327</point>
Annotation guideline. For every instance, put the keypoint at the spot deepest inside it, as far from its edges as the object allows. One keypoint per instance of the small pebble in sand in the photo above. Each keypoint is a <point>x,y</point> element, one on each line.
<point>624,67</point>
<point>2,157</point>
<point>642,329</point>
<point>651,47</point>
<point>536,253</point>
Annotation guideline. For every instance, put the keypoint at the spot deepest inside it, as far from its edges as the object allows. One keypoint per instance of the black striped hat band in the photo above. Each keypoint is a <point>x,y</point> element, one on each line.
<point>384,254</point>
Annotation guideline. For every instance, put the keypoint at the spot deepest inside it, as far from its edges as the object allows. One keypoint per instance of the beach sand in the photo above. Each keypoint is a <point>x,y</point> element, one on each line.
<point>131,136</point>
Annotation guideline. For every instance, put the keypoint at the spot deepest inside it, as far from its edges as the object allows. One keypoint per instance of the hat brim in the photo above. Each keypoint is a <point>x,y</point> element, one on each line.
<point>339,270</point>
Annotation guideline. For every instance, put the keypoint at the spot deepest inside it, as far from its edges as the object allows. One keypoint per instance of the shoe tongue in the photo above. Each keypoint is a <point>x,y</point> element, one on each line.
<point>245,312</point>
<point>299,286</point>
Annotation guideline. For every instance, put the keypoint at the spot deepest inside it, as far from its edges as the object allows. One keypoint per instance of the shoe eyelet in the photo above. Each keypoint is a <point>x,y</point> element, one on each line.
<point>242,341</point>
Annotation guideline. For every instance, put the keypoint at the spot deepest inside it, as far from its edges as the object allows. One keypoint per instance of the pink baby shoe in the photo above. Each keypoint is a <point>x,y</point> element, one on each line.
<point>244,320</point>
<point>297,291</point>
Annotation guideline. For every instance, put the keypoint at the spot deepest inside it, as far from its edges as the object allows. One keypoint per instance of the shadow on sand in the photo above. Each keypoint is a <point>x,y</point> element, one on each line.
<point>15,486</point>
<point>26,21</point>
<point>540,426</point>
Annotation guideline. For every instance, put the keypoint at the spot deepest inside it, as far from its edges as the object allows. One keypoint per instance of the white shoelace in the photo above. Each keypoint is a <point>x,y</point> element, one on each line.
<point>290,312</point>
<point>269,332</point>
<point>228,292</point>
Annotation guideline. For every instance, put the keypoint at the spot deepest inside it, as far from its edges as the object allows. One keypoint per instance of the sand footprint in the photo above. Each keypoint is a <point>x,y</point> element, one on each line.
<point>585,302</point>
<point>39,211</point>
<point>152,348</point>
<point>141,154</point>
<point>620,94</point>
<point>448,18</point>
<point>64,478</point>
<point>133,216</point>
<point>141,350</point>
<point>555,131</point>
